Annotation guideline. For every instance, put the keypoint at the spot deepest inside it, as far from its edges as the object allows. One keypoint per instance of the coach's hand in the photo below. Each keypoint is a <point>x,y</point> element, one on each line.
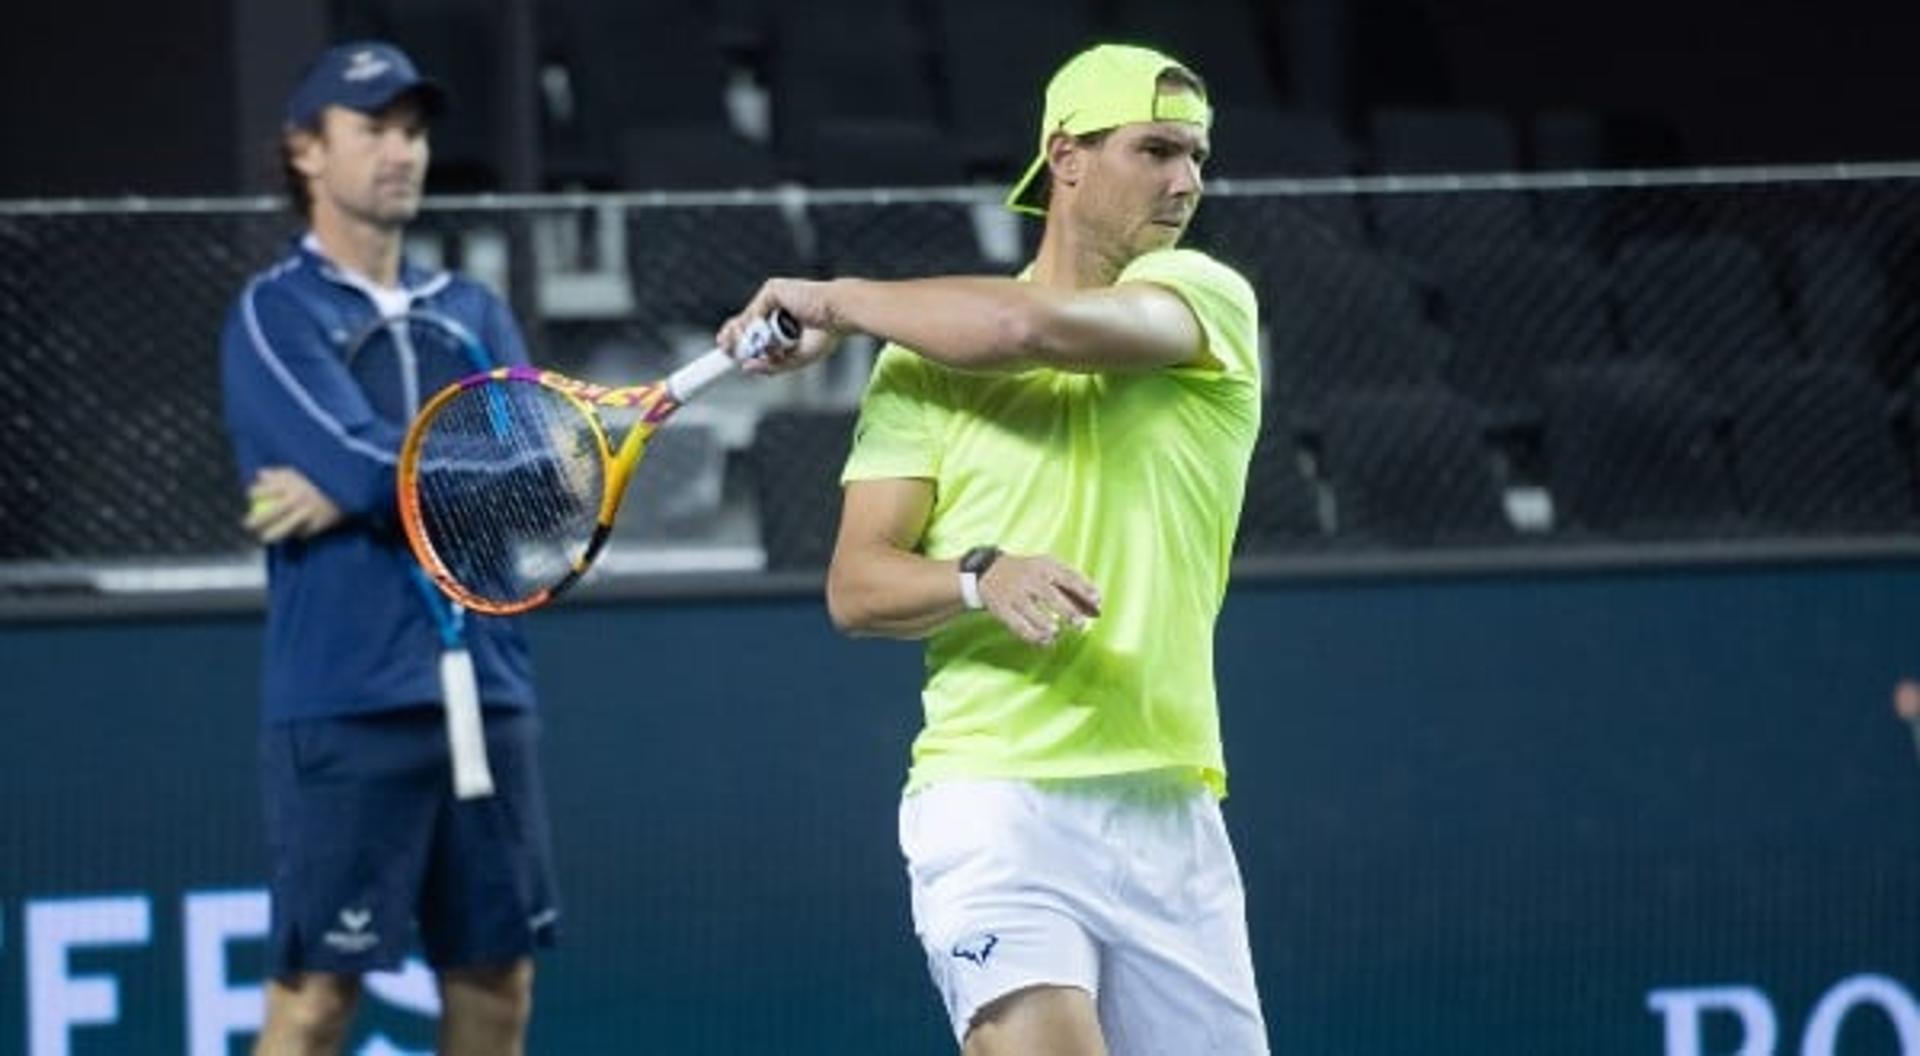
<point>1037,597</point>
<point>808,303</point>
<point>282,503</point>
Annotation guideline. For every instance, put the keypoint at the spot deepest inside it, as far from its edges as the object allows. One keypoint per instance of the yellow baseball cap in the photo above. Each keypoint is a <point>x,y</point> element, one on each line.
<point>1105,86</point>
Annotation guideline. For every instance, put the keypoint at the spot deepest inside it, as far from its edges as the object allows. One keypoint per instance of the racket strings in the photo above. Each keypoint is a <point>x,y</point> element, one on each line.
<point>510,484</point>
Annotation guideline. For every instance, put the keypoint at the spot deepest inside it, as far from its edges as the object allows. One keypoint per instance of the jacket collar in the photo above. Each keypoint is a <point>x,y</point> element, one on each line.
<point>418,282</point>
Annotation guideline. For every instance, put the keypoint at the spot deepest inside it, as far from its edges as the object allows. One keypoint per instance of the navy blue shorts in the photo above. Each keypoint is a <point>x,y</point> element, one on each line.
<point>368,843</point>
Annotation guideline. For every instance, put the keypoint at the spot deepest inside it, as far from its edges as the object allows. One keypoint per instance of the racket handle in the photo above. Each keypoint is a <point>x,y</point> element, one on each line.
<point>777,330</point>
<point>466,730</point>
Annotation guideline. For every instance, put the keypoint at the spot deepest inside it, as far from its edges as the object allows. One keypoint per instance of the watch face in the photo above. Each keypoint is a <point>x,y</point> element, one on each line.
<point>978,558</point>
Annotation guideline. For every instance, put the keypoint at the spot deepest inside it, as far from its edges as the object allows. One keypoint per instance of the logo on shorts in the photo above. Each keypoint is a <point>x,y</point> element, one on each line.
<point>976,948</point>
<point>355,938</point>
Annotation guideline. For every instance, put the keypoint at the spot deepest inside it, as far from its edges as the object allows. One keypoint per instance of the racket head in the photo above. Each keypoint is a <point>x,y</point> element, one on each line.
<point>507,488</point>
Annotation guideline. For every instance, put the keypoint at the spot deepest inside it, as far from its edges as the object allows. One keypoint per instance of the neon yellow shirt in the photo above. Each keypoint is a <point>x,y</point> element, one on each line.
<point>1133,478</point>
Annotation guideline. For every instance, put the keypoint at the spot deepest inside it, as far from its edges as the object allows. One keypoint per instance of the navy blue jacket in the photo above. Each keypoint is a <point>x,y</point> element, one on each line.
<point>348,630</point>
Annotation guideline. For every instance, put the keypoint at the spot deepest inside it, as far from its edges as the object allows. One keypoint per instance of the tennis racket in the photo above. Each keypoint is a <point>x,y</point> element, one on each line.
<point>396,360</point>
<point>509,485</point>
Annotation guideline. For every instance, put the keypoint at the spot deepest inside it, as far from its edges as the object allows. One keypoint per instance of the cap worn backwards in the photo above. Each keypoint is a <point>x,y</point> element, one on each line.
<point>1103,87</point>
<point>364,76</point>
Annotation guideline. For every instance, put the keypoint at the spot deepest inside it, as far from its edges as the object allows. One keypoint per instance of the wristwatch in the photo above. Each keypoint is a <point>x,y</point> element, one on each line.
<point>974,564</point>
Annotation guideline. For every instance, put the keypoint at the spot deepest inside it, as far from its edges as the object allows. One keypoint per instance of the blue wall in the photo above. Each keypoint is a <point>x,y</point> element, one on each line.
<point>1476,815</point>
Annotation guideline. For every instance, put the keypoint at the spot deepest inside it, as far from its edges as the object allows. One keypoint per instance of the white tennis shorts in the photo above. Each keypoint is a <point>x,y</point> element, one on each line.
<point>1125,887</point>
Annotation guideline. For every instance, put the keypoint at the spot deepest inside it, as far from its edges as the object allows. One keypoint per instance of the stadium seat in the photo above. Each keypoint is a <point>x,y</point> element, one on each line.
<point>1848,308</point>
<point>908,240</point>
<point>1226,42</point>
<point>1340,318</point>
<point>795,459</point>
<point>1514,310</point>
<point>1579,219</point>
<point>1260,234</point>
<point>1282,507</point>
<point>993,80</point>
<point>697,266</point>
<point>1814,450</point>
<point>1428,227</point>
<point>740,26</point>
<point>122,297</point>
<point>681,484</point>
<point>1410,467</point>
<point>692,158</point>
<point>605,351</point>
<point>846,60</point>
<point>455,42</point>
<point>1406,141</point>
<point>1631,452</point>
<point>1266,141</point>
<point>27,313</point>
<point>1425,226</point>
<point>1562,140</point>
<point>1705,302</point>
<point>654,70</point>
<point>879,152</point>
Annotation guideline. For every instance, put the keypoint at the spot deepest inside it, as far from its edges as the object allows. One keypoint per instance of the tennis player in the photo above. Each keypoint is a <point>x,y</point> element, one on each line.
<point>368,841</point>
<point>1044,484</point>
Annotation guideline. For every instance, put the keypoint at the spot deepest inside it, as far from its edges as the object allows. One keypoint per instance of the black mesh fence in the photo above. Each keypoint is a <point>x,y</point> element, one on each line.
<point>109,385</point>
<point>1452,362</point>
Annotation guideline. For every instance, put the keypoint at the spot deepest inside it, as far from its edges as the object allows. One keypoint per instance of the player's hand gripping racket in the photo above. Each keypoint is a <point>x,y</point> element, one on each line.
<point>509,486</point>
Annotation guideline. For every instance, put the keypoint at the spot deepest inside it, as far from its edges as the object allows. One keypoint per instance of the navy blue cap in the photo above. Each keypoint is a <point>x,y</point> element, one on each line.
<point>364,76</point>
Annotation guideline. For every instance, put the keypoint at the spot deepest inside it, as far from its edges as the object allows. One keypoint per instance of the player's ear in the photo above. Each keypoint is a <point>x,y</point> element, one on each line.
<point>303,149</point>
<point>1066,158</point>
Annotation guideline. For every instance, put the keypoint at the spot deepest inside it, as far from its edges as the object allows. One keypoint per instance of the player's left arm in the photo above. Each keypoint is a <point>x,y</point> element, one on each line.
<point>880,584</point>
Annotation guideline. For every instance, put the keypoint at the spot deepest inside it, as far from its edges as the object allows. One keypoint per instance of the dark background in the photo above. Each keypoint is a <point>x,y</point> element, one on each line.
<point>1476,814</point>
<point>116,96</point>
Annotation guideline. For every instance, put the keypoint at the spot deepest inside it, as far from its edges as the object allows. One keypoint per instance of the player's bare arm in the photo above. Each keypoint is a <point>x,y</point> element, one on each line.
<point>994,324</point>
<point>878,585</point>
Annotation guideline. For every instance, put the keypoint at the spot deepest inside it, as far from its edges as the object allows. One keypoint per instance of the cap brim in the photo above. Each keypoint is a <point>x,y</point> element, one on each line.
<point>433,98</point>
<point>1025,196</point>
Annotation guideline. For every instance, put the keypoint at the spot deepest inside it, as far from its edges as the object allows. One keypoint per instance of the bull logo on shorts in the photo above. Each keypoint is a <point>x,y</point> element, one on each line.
<point>976,948</point>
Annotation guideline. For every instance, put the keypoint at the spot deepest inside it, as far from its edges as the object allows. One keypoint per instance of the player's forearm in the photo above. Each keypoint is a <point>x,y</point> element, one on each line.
<point>885,592</point>
<point>966,322</point>
<point>989,324</point>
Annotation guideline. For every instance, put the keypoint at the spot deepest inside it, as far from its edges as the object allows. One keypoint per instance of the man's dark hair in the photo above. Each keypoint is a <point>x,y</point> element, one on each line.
<point>1090,140</point>
<point>292,180</point>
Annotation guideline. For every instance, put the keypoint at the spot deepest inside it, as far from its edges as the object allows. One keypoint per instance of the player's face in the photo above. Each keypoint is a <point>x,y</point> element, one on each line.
<point>1143,184</point>
<point>369,167</point>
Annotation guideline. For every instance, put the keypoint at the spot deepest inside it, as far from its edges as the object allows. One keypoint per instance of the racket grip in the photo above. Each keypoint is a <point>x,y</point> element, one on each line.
<point>466,730</point>
<point>777,330</point>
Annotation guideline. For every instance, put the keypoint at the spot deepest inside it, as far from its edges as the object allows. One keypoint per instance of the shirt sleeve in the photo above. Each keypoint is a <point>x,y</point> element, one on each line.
<point>289,400</point>
<point>895,437</point>
<point>1220,299</point>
